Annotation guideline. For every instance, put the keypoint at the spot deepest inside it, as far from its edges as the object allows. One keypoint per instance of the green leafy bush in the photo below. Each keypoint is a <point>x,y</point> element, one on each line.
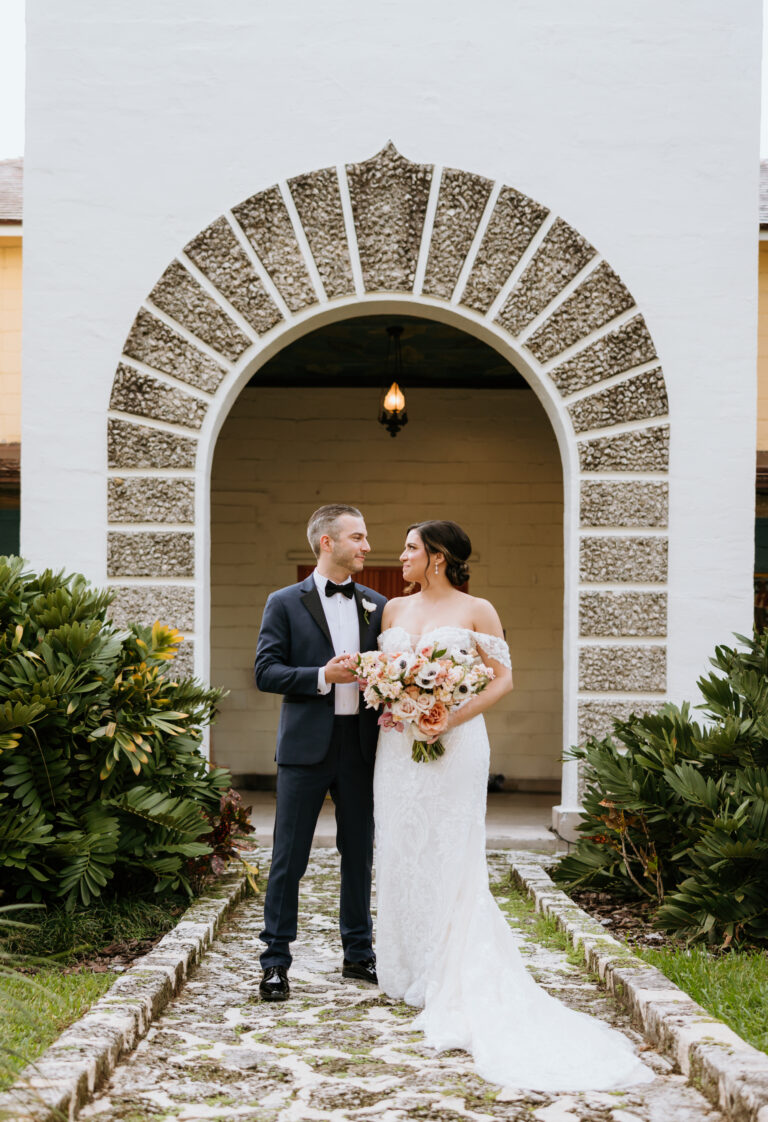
<point>678,811</point>
<point>101,778</point>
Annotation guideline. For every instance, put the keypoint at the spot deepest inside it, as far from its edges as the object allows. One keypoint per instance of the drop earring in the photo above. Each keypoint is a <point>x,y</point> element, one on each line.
<point>437,571</point>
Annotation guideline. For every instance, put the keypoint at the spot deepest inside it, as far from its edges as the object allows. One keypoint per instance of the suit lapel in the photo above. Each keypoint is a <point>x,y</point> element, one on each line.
<point>361,617</point>
<point>311,601</point>
<point>365,626</point>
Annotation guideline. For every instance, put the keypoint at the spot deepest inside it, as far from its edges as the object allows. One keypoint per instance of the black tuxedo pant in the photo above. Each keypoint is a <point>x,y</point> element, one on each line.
<point>301,789</point>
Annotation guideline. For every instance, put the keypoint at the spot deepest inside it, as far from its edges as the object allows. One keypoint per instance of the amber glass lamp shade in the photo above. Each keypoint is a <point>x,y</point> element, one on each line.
<point>392,412</point>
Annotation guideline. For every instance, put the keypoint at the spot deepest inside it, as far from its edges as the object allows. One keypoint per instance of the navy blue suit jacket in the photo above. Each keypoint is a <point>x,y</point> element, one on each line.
<point>294,642</point>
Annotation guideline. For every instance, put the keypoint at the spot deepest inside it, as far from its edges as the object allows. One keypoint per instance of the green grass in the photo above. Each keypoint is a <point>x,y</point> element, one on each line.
<point>36,1006</point>
<point>85,930</point>
<point>34,1012</point>
<point>732,987</point>
<point>538,927</point>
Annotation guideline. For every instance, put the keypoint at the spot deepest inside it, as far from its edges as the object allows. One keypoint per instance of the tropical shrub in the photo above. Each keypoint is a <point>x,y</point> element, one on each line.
<point>678,811</point>
<point>102,782</point>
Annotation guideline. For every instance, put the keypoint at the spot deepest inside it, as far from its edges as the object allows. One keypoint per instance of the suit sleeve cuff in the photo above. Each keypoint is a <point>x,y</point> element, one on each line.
<point>322,685</point>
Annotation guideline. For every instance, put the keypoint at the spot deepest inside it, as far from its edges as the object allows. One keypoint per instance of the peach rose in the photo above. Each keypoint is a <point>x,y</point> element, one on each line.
<point>435,721</point>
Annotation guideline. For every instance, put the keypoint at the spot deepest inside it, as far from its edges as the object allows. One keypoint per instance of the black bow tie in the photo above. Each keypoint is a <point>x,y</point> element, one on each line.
<point>347,589</point>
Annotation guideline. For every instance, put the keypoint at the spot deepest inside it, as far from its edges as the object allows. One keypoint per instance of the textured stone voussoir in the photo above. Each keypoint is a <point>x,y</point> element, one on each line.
<point>605,503</point>
<point>623,614</point>
<point>179,295</point>
<point>219,255</point>
<point>389,202</point>
<point>139,393</point>
<point>151,500</point>
<point>138,446</point>
<point>622,669</point>
<point>318,202</point>
<point>596,717</point>
<point>183,665</point>
<point>634,560</point>
<point>628,346</point>
<point>641,397</point>
<point>151,341</point>
<point>173,605</point>
<point>511,228</point>
<point>643,450</point>
<point>598,300</point>
<point>150,554</point>
<point>460,206</point>
<point>562,254</point>
<point>267,225</point>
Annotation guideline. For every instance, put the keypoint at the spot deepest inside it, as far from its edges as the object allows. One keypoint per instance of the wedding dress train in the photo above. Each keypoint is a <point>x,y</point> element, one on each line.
<point>442,943</point>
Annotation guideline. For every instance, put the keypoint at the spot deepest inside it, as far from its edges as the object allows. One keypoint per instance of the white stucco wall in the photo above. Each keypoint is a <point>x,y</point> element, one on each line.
<point>637,123</point>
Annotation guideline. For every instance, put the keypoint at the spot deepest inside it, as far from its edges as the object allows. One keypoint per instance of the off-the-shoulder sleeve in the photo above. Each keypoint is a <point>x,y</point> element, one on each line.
<point>495,647</point>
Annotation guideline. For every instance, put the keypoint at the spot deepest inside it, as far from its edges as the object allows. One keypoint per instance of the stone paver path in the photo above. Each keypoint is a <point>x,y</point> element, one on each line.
<point>340,1050</point>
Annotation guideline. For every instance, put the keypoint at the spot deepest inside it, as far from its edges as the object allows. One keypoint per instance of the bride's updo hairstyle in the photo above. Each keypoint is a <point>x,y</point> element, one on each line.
<point>449,539</point>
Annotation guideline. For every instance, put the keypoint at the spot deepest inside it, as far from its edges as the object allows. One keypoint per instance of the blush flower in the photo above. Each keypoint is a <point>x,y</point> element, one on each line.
<point>434,722</point>
<point>405,709</point>
<point>387,721</point>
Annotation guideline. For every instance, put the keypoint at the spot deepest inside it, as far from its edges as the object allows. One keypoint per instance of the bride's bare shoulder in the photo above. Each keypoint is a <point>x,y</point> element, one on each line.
<point>393,608</point>
<point>485,617</point>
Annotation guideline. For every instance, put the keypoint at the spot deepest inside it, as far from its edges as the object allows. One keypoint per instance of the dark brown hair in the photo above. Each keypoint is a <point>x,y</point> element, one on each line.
<point>449,539</point>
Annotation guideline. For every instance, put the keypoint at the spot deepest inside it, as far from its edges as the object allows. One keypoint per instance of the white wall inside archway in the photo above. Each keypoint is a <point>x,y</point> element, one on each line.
<point>487,459</point>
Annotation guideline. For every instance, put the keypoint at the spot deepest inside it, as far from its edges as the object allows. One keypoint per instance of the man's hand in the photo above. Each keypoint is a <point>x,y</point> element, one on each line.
<point>336,671</point>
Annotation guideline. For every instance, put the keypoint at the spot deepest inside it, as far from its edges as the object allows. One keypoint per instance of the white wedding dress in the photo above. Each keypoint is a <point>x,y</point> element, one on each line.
<point>441,941</point>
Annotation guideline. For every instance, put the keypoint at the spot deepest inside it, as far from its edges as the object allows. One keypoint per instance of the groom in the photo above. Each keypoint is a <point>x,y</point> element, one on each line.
<point>325,741</point>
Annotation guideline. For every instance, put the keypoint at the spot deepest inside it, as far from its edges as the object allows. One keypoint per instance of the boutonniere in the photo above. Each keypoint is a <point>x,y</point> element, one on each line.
<point>367,607</point>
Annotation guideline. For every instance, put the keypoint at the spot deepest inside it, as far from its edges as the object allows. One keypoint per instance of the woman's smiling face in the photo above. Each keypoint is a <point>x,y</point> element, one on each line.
<point>414,558</point>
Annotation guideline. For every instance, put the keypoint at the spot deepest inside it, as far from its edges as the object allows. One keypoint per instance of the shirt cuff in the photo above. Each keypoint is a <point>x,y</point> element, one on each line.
<point>322,685</point>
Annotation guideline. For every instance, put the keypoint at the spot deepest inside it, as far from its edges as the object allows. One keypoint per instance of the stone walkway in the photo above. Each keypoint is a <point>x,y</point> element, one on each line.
<point>341,1050</point>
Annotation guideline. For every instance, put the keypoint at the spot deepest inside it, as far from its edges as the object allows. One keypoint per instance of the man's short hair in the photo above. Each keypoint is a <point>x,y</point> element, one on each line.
<point>323,521</point>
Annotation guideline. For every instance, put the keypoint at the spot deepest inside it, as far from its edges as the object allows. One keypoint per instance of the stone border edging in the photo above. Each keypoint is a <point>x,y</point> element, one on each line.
<point>56,1085</point>
<point>731,1073</point>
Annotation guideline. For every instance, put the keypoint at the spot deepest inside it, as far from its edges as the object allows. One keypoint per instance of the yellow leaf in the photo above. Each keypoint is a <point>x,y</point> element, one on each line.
<point>111,729</point>
<point>252,876</point>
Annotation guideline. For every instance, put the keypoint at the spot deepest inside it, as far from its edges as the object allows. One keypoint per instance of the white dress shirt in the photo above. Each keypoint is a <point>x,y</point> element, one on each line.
<point>344,626</point>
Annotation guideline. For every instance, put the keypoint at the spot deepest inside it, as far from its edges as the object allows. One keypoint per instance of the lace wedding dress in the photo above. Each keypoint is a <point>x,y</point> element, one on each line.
<point>441,942</point>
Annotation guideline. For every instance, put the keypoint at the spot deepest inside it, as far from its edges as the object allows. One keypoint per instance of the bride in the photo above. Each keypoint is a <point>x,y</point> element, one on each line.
<point>442,944</point>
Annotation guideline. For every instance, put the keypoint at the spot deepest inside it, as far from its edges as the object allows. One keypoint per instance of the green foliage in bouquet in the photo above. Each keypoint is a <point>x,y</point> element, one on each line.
<point>101,777</point>
<point>678,811</point>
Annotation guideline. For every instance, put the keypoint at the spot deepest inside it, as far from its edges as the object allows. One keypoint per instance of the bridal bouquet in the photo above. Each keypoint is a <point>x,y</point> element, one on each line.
<point>419,688</point>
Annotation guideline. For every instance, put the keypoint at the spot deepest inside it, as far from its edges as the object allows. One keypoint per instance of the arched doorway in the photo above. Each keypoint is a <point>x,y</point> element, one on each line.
<point>478,448</point>
<point>393,237</point>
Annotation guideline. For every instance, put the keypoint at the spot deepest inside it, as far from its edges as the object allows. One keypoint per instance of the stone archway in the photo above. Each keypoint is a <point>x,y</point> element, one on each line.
<point>398,235</point>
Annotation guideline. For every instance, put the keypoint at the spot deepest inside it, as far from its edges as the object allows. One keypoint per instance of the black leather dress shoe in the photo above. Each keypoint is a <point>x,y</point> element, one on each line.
<point>363,971</point>
<point>274,984</point>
